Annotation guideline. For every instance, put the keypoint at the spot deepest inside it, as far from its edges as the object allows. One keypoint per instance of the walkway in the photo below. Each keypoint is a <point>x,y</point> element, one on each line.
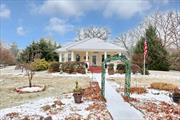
<point>119,109</point>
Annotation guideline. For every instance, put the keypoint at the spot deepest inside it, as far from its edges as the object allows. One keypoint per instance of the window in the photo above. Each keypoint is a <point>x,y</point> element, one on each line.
<point>108,56</point>
<point>94,60</point>
<point>102,58</point>
<point>69,56</point>
<point>78,57</point>
<point>85,57</point>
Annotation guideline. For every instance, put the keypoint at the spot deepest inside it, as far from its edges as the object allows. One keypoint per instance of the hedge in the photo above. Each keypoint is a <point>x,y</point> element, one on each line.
<point>73,67</point>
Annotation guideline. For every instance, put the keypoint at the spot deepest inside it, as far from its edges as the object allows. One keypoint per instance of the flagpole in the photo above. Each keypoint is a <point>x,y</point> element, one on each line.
<point>145,52</point>
<point>144,65</point>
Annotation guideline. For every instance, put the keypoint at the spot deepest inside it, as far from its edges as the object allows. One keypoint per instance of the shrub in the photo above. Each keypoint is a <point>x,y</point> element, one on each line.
<point>39,64</point>
<point>73,67</point>
<point>135,69</point>
<point>111,69</point>
<point>120,68</point>
<point>163,86</point>
<point>54,67</point>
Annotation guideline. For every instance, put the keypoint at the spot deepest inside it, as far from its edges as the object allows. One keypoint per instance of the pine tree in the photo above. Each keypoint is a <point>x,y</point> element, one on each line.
<point>157,54</point>
<point>43,49</point>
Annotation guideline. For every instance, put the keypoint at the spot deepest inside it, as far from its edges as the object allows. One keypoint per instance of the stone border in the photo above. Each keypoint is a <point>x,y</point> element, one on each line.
<point>18,90</point>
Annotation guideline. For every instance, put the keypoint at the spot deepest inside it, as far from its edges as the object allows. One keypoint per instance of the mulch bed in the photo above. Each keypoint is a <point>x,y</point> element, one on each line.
<point>155,110</point>
<point>93,92</point>
<point>127,99</point>
<point>137,90</point>
<point>159,111</point>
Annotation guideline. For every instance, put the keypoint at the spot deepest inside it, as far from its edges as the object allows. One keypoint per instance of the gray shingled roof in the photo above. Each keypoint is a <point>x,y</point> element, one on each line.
<point>94,44</point>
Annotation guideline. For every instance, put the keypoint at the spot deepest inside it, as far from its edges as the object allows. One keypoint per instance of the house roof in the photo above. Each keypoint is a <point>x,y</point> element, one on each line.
<point>93,44</point>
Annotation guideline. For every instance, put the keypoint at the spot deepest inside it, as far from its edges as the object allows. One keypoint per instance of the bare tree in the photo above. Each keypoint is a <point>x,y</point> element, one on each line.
<point>6,56</point>
<point>129,39</point>
<point>29,72</point>
<point>167,27</point>
<point>93,32</point>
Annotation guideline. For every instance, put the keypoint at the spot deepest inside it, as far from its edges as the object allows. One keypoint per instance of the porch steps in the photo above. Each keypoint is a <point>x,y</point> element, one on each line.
<point>95,69</point>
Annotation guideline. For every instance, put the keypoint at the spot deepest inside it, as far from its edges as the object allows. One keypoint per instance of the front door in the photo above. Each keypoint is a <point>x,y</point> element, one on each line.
<point>94,58</point>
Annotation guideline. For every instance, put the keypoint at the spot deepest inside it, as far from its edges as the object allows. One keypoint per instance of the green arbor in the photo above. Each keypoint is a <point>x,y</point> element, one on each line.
<point>127,75</point>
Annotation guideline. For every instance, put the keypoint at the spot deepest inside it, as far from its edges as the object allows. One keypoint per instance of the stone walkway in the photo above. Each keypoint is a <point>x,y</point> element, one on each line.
<point>119,109</point>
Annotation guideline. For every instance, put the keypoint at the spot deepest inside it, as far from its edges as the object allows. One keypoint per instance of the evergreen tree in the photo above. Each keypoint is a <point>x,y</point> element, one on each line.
<point>157,54</point>
<point>43,48</point>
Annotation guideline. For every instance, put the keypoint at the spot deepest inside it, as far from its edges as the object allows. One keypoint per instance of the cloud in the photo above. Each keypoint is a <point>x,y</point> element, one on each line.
<point>4,11</point>
<point>126,9</point>
<point>74,8</point>
<point>58,25</point>
<point>20,31</point>
<point>160,1</point>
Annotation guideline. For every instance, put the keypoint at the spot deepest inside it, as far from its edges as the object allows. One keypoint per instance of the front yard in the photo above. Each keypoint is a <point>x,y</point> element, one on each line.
<point>55,85</point>
<point>56,102</point>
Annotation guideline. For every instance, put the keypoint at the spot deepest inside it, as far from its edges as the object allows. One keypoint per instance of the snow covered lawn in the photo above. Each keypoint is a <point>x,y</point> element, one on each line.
<point>55,85</point>
<point>59,108</point>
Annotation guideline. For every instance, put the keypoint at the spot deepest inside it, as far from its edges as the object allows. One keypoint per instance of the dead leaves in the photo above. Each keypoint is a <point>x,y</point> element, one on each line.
<point>92,92</point>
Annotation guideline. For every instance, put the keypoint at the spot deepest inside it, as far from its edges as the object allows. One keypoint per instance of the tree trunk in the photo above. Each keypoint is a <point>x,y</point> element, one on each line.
<point>30,84</point>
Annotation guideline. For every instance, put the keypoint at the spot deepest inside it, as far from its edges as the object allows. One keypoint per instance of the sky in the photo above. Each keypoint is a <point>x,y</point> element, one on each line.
<point>24,21</point>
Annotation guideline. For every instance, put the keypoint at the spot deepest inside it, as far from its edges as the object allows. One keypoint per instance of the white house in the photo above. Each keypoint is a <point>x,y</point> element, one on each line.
<point>93,51</point>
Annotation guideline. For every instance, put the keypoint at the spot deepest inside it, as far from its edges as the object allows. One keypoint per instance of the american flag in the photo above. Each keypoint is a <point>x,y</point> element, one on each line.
<point>145,48</point>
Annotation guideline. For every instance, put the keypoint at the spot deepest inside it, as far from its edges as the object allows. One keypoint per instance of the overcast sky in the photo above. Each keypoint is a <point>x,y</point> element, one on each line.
<point>23,21</point>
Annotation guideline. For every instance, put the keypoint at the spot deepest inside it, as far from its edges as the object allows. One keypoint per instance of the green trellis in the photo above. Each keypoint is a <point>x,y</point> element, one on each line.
<point>127,75</point>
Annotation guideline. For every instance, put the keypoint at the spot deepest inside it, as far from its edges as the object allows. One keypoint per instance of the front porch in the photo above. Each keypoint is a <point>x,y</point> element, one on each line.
<point>93,58</point>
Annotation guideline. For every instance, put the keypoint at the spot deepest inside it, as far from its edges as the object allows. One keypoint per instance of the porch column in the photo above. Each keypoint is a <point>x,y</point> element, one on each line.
<point>72,56</point>
<point>87,61</point>
<point>86,56</point>
<point>60,57</point>
<point>66,57</point>
<point>105,55</point>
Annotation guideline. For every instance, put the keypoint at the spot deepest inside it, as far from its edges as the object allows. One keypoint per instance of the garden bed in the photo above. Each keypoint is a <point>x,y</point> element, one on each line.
<point>155,104</point>
<point>32,89</point>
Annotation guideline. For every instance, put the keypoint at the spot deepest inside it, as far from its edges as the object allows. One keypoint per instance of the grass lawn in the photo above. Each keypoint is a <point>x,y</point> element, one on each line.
<point>55,85</point>
<point>172,77</point>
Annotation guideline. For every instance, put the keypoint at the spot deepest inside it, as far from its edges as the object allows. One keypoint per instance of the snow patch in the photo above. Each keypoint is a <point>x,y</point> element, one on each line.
<point>31,89</point>
<point>155,95</point>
